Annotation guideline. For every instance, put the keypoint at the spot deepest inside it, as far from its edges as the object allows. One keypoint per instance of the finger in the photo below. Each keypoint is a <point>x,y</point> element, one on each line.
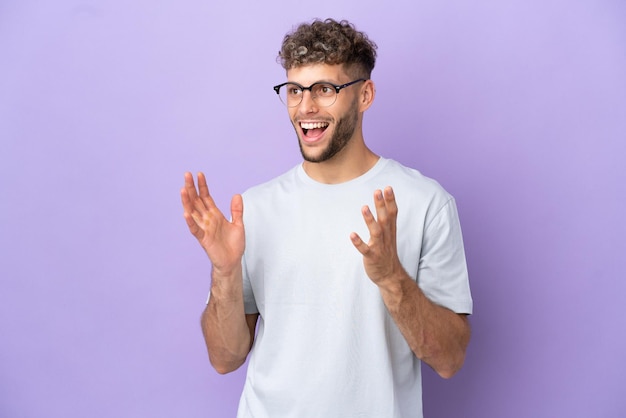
<point>190,186</point>
<point>392,212</point>
<point>391,209</point>
<point>195,201</point>
<point>390,202</point>
<point>358,243</point>
<point>191,207</point>
<point>184,198</point>
<point>194,211</point>
<point>203,189</point>
<point>192,224</point>
<point>206,197</point>
<point>370,221</point>
<point>381,213</point>
<point>236,209</point>
<point>379,204</point>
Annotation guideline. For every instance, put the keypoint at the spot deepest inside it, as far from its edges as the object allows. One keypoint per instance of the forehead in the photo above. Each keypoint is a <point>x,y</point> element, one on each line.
<point>309,74</point>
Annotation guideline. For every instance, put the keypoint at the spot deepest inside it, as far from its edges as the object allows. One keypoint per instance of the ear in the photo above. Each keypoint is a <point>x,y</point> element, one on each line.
<point>367,94</point>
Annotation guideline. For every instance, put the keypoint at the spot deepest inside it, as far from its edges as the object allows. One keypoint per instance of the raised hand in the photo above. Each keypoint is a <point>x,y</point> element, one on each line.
<point>380,254</point>
<point>223,240</point>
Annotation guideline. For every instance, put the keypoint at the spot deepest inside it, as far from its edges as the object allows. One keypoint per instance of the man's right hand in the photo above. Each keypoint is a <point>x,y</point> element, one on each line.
<point>223,240</point>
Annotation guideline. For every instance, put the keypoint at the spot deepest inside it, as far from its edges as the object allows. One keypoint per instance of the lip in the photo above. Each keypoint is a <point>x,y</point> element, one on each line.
<point>309,139</point>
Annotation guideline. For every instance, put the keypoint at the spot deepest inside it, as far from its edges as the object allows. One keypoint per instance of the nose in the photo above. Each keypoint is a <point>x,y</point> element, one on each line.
<point>307,105</point>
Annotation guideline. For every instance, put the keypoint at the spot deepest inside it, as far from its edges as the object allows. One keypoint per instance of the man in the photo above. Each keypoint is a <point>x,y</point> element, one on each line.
<point>348,300</point>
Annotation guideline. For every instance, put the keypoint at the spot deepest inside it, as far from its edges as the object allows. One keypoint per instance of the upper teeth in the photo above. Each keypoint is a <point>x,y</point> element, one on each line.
<point>313,125</point>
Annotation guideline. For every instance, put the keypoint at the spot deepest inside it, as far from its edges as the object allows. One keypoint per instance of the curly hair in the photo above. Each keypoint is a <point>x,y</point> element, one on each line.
<point>329,42</point>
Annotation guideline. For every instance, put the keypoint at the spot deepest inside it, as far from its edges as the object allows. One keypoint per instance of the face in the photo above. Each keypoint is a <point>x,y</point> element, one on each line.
<point>323,132</point>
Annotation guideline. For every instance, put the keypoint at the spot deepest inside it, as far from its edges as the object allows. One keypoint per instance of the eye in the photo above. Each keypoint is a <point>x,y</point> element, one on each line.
<point>293,90</point>
<point>325,90</point>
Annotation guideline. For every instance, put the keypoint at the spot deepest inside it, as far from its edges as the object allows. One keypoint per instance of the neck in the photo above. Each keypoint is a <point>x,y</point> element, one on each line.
<point>351,162</point>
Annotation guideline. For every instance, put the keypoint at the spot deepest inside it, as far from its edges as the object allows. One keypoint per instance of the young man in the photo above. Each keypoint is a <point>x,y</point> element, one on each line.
<point>349,300</point>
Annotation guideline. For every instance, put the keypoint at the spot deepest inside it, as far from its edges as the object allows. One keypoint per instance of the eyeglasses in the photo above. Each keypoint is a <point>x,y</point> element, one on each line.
<point>324,94</point>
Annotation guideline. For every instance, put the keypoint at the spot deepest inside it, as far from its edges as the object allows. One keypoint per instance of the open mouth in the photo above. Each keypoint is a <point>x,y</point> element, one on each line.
<point>313,129</point>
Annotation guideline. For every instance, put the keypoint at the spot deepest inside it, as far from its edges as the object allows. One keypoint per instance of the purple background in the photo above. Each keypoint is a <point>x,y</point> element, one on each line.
<point>517,107</point>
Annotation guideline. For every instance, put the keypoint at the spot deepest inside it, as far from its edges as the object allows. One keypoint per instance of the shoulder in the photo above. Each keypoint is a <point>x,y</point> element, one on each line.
<point>285,181</point>
<point>409,183</point>
<point>287,178</point>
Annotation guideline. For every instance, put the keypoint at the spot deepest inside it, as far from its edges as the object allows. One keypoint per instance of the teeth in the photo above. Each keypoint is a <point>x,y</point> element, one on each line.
<point>313,125</point>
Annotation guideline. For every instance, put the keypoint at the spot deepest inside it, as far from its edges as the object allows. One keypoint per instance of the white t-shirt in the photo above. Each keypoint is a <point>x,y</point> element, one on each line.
<point>326,346</point>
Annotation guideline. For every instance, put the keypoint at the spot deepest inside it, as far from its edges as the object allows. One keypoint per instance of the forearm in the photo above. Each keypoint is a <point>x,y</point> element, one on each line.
<point>436,335</point>
<point>226,333</point>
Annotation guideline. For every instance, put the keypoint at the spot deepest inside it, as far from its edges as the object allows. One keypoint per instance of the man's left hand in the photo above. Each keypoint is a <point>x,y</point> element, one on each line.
<point>380,255</point>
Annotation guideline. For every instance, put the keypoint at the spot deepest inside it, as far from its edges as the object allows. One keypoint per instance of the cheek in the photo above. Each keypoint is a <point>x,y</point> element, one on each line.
<point>292,116</point>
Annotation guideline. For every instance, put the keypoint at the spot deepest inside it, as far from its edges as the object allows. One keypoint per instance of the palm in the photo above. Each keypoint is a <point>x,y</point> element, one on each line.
<point>223,240</point>
<point>380,255</point>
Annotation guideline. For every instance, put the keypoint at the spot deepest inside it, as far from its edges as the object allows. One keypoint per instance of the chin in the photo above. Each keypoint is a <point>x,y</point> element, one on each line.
<point>312,157</point>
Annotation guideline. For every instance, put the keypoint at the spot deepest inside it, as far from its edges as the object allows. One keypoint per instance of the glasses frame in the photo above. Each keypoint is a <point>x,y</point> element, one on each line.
<point>337,88</point>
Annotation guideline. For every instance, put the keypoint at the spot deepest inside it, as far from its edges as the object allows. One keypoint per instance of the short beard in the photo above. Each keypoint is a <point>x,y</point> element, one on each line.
<point>341,137</point>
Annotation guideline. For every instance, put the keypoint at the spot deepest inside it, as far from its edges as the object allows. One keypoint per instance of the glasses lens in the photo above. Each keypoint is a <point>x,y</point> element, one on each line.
<point>324,94</point>
<point>290,94</point>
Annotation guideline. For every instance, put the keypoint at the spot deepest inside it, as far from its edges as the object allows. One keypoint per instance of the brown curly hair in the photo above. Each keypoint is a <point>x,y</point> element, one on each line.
<point>329,42</point>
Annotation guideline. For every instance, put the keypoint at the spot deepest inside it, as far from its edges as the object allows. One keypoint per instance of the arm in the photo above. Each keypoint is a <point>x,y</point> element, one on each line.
<point>227,331</point>
<point>435,334</point>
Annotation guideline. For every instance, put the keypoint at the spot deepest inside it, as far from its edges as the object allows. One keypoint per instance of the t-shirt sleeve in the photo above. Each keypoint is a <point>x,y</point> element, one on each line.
<point>442,273</point>
<point>249,302</point>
